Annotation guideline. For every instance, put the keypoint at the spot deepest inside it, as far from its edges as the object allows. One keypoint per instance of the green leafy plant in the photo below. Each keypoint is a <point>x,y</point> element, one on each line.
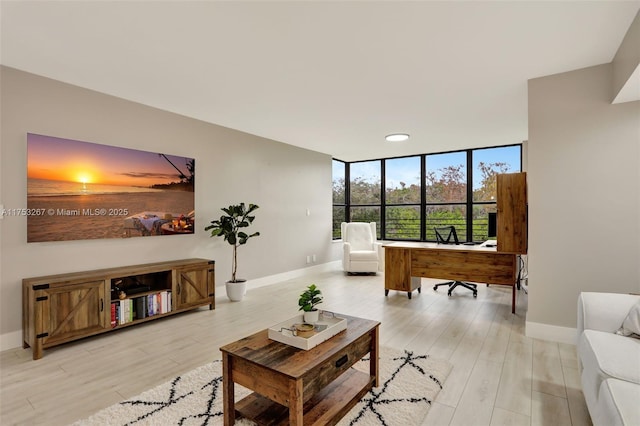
<point>311,297</point>
<point>231,227</point>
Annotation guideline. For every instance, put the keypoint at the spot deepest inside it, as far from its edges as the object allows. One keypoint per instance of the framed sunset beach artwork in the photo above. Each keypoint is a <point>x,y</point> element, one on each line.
<point>81,190</point>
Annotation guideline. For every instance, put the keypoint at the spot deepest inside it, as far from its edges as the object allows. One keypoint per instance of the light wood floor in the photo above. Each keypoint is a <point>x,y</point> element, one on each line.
<point>499,377</point>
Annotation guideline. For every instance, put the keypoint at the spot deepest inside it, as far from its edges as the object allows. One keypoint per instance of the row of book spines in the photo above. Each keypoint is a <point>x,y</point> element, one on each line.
<point>137,308</point>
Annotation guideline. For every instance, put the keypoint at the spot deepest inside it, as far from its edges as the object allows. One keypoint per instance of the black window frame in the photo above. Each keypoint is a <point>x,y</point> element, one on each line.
<point>469,203</point>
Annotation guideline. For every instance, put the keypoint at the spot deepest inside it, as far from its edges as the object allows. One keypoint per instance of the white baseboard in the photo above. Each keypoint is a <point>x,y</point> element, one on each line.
<point>11,340</point>
<point>552,333</point>
<point>273,279</point>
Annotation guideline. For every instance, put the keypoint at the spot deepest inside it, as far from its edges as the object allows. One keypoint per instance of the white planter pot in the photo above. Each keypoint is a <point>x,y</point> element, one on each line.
<point>311,317</point>
<point>236,290</point>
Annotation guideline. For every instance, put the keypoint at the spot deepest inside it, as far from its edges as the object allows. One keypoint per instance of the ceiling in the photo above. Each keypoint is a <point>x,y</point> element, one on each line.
<point>333,77</point>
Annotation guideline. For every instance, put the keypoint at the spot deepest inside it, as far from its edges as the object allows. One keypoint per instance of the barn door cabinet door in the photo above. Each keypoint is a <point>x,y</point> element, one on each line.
<point>194,286</point>
<point>63,312</point>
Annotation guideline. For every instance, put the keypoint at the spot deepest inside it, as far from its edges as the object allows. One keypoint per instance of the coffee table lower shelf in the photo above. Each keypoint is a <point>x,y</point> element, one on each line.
<point>326,407</point>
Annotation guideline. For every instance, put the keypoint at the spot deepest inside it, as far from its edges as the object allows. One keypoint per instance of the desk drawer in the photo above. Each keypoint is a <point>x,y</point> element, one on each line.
<point>491,268</point>
<point>318,378</point>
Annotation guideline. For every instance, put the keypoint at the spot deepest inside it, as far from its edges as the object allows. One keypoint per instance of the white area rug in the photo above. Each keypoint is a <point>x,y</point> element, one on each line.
<point>409,383</point>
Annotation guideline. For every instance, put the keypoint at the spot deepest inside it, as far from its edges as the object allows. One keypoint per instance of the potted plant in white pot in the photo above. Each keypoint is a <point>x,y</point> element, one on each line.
<point>309,298</point>
<point>231,227</point>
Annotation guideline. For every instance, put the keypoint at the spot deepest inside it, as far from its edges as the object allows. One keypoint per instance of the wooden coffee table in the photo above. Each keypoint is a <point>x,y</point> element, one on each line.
<point>295,386</point>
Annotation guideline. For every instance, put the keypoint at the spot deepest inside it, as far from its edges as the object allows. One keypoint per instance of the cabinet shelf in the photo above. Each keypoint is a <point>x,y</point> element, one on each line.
<point>61,308</point>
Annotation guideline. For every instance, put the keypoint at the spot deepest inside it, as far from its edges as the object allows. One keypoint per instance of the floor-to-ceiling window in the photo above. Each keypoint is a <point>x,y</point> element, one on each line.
<point>365,192</point>
<point>402,198</point>
<point>339,196</point>
<point>487,163</point>
<point>408,197</point>
<point>446,192</point>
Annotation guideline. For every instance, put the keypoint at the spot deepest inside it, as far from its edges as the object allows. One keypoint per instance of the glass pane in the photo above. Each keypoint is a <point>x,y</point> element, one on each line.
<point>402,222</point>
<point>446,177</point>
<point>367,214</point>
<point>338,182</point>
<point>455,215</point>
<point>481,222</point>
<point>365,182</point>
<point>402,180</point>
<point>338,218</point>
<point>489,162</point>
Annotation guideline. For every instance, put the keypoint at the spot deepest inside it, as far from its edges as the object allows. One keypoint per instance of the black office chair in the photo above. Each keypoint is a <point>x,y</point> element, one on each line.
<point>452,238</point>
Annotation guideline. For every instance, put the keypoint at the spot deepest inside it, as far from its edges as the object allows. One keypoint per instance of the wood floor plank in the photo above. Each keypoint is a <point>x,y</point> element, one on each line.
<point>549,410</point>
<point>577,405</point>
<point>477,402</point>
<point>508,418</point>
<point>547,369</point>
<point>514,392</point>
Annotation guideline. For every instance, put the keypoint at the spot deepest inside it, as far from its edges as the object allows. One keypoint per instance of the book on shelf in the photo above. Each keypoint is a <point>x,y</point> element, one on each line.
<point>150,310</point>
<point>140,307</point>
<point>163,302</point>
<point>114,320</point>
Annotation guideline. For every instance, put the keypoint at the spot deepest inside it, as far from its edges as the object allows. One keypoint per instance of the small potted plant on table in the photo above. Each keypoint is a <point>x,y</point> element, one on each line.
<point>309,298</point>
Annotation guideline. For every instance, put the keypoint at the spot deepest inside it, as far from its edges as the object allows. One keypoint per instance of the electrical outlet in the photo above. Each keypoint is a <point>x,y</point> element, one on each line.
<point>313,258</point>
<point>308,259</point>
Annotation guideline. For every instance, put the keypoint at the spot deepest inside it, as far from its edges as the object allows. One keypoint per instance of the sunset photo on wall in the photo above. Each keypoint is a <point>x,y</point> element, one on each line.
<point>81,190</point>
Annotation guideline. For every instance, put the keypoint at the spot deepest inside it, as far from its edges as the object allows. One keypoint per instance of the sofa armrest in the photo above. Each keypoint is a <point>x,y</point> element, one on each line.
<point>603,311</point>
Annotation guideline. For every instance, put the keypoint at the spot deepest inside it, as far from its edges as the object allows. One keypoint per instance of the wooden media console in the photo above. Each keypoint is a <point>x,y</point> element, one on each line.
<point>57,309</point>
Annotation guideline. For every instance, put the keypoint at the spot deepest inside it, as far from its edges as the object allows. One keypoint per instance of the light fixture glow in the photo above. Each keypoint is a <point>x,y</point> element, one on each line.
<point>397,137</point>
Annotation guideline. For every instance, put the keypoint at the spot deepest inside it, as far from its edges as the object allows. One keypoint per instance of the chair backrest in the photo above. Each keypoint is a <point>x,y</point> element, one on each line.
<point>446,235</point>
<point>360,235</point>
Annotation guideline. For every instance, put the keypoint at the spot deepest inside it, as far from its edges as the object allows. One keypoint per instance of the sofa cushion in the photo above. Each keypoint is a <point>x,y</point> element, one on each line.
<point>631,324</point>
<point>619,403</point>
<point>608,355</point>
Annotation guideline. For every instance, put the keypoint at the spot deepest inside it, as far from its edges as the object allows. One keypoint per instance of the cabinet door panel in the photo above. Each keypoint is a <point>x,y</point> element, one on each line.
<point>73,310</point>
<point>512,212</point>
<point>193,286</point>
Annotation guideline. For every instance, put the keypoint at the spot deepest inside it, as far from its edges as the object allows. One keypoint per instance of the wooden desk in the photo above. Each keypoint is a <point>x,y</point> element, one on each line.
<point>407,262</point>
<point>293,386</point>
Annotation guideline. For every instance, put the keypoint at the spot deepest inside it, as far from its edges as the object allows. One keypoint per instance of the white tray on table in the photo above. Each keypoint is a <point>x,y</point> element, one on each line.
<point>282,332</point>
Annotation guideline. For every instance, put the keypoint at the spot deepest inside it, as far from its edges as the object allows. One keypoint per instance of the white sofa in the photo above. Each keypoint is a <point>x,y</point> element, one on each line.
<point>609,362</point>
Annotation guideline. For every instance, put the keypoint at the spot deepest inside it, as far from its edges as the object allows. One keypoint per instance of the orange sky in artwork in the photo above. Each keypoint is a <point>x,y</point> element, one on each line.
<point>74,161</point>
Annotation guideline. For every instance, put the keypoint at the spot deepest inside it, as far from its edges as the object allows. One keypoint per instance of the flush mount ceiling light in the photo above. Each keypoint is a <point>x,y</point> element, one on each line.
<point>397,137</point>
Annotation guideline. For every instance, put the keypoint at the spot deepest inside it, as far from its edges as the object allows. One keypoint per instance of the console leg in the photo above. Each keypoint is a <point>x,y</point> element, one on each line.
<point>386,291</point>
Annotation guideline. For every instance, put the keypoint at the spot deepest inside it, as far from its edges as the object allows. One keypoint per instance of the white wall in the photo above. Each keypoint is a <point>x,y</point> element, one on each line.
<point>231,167</point>
<point>626,65</point>
<point>584,196</point>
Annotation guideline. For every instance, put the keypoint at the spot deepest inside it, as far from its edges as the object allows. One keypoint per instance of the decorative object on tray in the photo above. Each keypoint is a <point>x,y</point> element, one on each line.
<point>304,330</point>
<point>230,226</point>
<point>410,383</point>
<point>308,301</point>
<point>327,326</point>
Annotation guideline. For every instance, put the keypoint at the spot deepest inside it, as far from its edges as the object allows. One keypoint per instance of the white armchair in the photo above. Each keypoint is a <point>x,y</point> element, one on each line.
<point>361,252</point>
